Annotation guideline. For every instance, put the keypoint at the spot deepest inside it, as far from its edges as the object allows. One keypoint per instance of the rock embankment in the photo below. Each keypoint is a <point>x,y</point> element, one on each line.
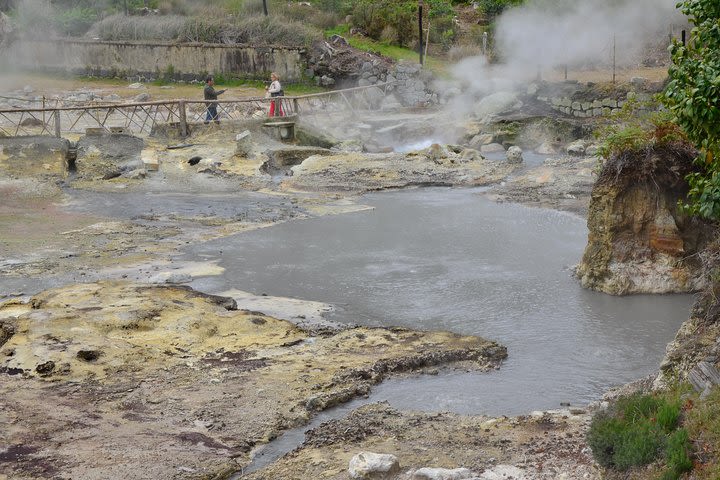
<point>694,354</point>
<point>361,172</point>
<point>640,241</point>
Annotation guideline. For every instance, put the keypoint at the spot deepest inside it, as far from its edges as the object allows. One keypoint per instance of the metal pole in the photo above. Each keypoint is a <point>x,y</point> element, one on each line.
<point>485,39</point>
<point>420,28</point>
<point>682,36</point>
<point>265,8</point>
<point>614,44</point>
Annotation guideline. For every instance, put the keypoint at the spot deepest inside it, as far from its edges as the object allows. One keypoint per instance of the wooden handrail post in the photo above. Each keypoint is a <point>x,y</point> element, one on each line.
<point>183,118</point>
<point>56,114</point>
<point>295,106</point>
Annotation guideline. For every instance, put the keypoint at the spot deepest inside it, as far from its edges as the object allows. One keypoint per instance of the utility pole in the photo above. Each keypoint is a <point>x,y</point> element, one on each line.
<point>614,45</point>
<point>420,29</point>
<point>265,7</point>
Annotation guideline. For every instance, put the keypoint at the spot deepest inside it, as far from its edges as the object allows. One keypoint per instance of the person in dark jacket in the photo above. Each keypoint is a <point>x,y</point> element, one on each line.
<point>211,94</point>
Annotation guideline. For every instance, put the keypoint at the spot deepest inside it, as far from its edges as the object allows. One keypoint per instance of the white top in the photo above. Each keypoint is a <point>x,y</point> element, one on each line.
<point>274,87</point>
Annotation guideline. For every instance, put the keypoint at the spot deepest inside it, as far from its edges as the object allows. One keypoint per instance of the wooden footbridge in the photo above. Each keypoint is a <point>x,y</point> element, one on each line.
<point>145,118</point>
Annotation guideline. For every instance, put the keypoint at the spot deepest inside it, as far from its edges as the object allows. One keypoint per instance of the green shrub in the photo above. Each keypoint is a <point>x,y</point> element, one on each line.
<point>493,8</point>
<point>636,430</point>
<point>677,455</point>
<point>202,29</point>
<point>374,16</point>
<point>75,21</point>
<point>638,126</point>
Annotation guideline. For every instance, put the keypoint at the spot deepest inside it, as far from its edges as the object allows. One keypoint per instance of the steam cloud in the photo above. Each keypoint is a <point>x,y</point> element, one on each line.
<point>548,33</point>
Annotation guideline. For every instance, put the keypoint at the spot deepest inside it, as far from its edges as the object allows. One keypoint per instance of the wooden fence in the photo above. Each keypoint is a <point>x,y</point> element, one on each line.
<point>142,118</point>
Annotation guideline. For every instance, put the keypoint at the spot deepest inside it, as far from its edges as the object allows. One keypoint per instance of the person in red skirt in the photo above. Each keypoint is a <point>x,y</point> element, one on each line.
<point>275,90</point>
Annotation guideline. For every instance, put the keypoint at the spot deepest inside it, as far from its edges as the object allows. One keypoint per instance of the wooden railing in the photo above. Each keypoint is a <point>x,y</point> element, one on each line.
<point>143,118</point>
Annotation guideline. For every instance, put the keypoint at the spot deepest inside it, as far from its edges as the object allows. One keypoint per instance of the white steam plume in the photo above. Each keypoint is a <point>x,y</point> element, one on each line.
<point>549,33</point>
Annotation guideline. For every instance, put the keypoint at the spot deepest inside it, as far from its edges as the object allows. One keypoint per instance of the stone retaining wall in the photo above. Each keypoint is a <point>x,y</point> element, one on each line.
<point>149,61</point>
<point>592,108</point>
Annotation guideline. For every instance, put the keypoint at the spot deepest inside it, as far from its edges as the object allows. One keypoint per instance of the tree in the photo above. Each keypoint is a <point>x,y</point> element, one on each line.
<point>693,96</point>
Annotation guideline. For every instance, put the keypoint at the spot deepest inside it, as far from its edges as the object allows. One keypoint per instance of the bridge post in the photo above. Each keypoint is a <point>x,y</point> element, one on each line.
<point>295,106</point>
<point>56,114</point>
<point>183,118</point>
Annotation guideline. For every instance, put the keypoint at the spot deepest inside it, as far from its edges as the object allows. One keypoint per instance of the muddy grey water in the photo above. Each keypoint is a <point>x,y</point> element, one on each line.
<point>448,259</point>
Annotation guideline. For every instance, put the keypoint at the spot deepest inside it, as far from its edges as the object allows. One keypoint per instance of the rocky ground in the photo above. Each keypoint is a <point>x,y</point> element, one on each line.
<point>134,373</point>
<point>542,445</point>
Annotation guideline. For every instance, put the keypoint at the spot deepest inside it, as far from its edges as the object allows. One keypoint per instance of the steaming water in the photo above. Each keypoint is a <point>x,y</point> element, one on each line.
<point>450,260</point>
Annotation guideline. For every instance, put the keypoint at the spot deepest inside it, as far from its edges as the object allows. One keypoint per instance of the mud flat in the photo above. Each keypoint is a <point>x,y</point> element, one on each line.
<point>160,380</point>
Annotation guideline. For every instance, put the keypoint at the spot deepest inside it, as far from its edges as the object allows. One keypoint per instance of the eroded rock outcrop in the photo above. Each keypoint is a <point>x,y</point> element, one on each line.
<point>639,240</point>
<point>696,347</point>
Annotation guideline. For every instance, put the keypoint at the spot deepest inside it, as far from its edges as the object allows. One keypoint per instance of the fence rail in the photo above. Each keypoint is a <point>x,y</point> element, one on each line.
<point>143,118</point>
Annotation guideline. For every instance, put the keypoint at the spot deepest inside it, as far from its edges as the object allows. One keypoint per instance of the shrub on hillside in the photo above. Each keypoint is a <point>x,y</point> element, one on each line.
<point>270,31</point>
<point>75,21</point>
<point>493,8</point>
<point>374,16</point>
<point>638,430</point>
<point>258,30</point>
<point>120,27</point>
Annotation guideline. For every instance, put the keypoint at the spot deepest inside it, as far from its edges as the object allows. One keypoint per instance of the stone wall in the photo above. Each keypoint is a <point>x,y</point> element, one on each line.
<point>153,60</point>
<point>592,108</point>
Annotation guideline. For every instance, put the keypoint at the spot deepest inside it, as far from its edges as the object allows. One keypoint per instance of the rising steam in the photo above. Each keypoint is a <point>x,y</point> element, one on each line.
<point>549,33</point>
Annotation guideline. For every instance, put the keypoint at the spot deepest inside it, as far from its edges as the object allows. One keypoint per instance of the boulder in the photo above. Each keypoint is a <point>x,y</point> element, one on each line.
<point>373,466</point>
<point>503,472</point>
<point>546,148</point>
<point>492,148</point>
<point>136,174</point>
<point>576,149</point>
<point>514,154</point>
<point>243,144</point>
<point>497,103</point>
<point>481,139</point>
<point>442,474</point>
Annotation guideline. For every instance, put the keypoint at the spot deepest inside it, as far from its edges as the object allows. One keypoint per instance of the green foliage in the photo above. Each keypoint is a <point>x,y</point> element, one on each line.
<point>677,455</point>
<point>493,8</point>
<point>635,127</point>
<point>374,16</point>
<point>342,7</point>
<point>75,21</point>
<point>693,96</point>
<point>636,430</point>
